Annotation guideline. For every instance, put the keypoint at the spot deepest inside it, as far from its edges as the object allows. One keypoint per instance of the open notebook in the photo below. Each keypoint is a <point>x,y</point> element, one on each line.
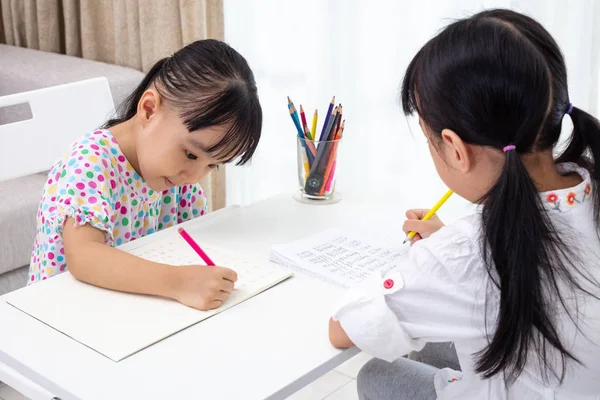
<point>339,257</point>
<point>118,324</point>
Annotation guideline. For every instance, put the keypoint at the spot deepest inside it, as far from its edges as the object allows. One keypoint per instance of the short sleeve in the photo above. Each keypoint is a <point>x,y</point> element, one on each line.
<point>432,294</point>
<point>83,187</point>
<point>192,202</point>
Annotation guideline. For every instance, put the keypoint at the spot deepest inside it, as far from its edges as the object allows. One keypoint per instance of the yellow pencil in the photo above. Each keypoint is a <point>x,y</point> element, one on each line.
<point>314,125</point>
<point>430,214</point>
<point>305,165</point>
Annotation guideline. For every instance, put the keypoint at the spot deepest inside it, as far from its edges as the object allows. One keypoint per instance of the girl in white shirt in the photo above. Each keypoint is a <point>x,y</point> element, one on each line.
<point>516,286</point>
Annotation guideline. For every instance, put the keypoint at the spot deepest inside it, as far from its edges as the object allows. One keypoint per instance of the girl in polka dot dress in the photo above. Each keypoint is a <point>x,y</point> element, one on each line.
<point>193,111</point>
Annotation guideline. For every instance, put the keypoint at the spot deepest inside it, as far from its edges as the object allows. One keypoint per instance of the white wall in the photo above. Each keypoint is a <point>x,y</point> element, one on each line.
<point>358,50</point>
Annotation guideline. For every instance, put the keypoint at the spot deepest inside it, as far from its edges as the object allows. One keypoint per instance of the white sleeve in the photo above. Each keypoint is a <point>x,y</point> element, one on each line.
<point>433,294</point>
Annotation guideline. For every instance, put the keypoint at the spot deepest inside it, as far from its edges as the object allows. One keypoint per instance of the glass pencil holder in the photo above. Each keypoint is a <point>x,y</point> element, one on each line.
<point>317,169</point>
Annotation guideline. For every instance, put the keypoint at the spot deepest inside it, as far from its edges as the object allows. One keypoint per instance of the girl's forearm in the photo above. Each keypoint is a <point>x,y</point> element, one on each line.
<point>100,265</point>
<point>337,335</point>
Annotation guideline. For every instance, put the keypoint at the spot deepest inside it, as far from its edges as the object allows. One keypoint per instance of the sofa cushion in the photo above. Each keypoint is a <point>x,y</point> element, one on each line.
<point>13,280</point>
<point>19,202</point>
<point>26,69</point>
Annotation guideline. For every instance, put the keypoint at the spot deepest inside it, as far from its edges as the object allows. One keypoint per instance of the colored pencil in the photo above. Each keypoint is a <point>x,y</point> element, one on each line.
<point>341,111</point>
<point>329,125</point>
<point>331,177</point>
<point>329,110</point>
<point>335,126</point>
<point>311,151</point>
<point>305,164</point>
<point>330,169</point>
<point>324,148</point>
<point>290,102</point>
<point>314,125</point>
<point>303,116</point>
<point>296,122</point>
<point>307,133</point>
<point>195,246</point>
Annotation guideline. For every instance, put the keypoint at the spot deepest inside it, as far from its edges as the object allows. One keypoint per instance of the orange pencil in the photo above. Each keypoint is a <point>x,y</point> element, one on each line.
<point>331,161</point>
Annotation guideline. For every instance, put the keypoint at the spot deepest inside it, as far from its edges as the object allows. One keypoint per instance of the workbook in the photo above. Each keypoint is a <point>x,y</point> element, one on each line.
<point>340,257</point>
<point>118,324</point>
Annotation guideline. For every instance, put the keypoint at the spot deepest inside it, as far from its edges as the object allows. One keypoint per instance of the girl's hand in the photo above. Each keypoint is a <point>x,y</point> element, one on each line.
<point>423,228</point>
<point>203,287</point>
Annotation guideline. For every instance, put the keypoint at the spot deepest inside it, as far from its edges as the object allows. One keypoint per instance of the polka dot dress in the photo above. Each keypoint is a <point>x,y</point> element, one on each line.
<point>95,184</point>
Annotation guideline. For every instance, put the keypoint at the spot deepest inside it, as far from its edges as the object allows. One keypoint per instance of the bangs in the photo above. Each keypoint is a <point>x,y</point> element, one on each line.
<point>234,108</point>
<point>410,94</point>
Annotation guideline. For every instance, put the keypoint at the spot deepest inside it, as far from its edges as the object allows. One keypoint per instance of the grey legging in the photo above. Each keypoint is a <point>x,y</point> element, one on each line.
<point>406,378</point>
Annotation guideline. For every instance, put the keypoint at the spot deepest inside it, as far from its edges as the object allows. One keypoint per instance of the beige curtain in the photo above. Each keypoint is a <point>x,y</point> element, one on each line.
<point>131,33</point>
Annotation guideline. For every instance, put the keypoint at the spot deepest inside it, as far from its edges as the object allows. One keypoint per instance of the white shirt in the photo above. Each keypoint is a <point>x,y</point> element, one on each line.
<point>438,293</point>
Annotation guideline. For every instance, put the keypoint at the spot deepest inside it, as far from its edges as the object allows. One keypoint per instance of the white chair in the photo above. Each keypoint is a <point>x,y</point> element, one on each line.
<point>60,115</point>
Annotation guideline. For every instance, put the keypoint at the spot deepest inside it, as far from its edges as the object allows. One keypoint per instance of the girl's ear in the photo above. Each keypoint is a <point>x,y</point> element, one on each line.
<point>148,106</point>
<point>457,153</point>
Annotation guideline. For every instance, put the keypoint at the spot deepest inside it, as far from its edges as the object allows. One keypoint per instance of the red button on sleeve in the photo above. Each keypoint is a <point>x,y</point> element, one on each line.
<point>388,284</point>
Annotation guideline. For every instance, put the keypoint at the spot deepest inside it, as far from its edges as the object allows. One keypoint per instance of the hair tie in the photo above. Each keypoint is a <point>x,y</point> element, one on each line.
<point>509,148</point>
<point>570,108</point>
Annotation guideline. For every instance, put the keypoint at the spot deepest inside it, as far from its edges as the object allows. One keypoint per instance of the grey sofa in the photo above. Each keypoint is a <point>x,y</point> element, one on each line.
<point>23,70</point>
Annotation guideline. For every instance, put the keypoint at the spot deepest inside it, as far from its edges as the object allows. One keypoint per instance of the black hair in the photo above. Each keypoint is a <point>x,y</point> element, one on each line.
<point>209,84</point>
<point>498,78</point>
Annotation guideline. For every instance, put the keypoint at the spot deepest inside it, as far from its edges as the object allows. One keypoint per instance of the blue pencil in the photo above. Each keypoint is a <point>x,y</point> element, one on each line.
<point>327,117</point>
<point>294,115</point>
<point>308,146</point>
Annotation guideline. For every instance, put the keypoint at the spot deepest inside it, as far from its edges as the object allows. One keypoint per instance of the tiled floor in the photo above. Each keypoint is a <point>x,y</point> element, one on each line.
<point>7,393</point>
<point>339,384</point>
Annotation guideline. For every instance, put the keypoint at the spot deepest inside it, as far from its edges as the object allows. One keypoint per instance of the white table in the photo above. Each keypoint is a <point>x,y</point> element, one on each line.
<point>267,347</point>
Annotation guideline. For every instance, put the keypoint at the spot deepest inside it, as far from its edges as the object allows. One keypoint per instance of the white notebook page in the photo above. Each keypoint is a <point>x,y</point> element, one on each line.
<point>118,324</point>
<point>339,257</point>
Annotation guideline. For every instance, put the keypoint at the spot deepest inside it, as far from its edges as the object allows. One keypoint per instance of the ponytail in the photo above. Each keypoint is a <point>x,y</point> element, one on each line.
<point>584,149</point>
<point>521,249</point>
<point>530,258</point>
<point>128,108</point>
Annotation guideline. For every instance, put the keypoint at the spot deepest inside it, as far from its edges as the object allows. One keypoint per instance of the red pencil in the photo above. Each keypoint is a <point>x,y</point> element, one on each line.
<point>195,246</point>
<point>303,116</point>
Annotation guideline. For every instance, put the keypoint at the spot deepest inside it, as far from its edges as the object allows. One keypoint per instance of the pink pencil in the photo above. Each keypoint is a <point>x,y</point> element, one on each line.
<point>195,246</point>
<point>331,175</point>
